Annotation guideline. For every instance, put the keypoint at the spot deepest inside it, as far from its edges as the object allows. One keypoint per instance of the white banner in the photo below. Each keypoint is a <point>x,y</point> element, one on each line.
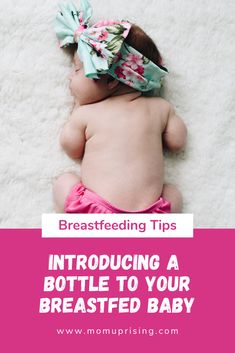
<point>152,225</point>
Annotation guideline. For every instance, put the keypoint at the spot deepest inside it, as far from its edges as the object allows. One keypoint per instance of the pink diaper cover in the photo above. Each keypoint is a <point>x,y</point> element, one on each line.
<point>83,200</point>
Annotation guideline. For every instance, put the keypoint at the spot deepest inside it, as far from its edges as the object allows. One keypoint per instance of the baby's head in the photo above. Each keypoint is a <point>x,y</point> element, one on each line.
<point>111,56</point>
<point>87,90</point>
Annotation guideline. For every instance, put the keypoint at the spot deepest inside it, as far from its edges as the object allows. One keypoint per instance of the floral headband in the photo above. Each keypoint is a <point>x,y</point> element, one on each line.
<point>102,48</point>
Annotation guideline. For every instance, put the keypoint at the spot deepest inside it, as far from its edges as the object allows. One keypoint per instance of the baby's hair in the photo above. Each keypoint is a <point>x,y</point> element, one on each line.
<point>71,49</point>
<point>140,41</point>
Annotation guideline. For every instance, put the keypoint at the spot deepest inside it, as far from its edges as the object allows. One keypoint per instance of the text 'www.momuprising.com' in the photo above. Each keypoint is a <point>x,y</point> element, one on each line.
<point>118,331</point>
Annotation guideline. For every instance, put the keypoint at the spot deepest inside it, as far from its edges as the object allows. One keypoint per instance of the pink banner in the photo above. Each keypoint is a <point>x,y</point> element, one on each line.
<point>193,309</point>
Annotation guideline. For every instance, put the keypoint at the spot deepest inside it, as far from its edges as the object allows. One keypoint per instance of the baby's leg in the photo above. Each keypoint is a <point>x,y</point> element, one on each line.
<point>61,189</point>
<point>172,194</point>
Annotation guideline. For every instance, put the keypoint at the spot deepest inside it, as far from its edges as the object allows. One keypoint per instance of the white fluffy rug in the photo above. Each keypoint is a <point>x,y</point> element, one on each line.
<point>196,39</point>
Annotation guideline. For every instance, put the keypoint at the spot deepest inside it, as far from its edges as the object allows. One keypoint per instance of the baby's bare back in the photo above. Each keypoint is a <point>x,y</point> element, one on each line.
<point>123,159</point>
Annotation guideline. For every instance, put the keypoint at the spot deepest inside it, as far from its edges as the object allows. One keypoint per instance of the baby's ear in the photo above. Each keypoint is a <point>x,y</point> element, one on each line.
<point>112,82</point>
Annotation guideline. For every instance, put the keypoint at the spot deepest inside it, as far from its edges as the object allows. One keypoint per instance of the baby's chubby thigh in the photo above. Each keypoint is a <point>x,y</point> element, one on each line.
<point>61,189</point>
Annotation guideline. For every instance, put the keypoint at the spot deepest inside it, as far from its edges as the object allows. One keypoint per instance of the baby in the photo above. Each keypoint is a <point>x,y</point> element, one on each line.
<point>116,129</point>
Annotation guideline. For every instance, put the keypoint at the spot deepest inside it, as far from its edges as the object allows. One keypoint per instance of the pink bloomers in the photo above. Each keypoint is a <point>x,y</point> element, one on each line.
<point>83,200</point>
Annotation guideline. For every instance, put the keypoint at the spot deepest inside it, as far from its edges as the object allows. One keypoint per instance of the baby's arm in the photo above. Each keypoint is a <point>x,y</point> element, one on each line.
<point>72,137</point>
<point>175,132</point>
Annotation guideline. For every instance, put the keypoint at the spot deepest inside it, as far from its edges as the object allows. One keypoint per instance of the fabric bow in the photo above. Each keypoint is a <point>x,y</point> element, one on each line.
<point>102,48</point>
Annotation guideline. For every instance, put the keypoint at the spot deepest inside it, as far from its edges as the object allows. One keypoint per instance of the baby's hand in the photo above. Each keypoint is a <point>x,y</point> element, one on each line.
<point>175,133</point>
<point>72,137</point>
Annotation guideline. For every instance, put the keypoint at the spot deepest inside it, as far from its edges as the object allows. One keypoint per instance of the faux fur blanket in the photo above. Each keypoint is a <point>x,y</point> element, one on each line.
<point>196,40</point>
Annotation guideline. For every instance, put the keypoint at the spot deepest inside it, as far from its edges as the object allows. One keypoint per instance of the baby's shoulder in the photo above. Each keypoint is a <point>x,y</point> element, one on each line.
<point>159,110</point>
<point>81,113</point>
<point>158,104</point>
